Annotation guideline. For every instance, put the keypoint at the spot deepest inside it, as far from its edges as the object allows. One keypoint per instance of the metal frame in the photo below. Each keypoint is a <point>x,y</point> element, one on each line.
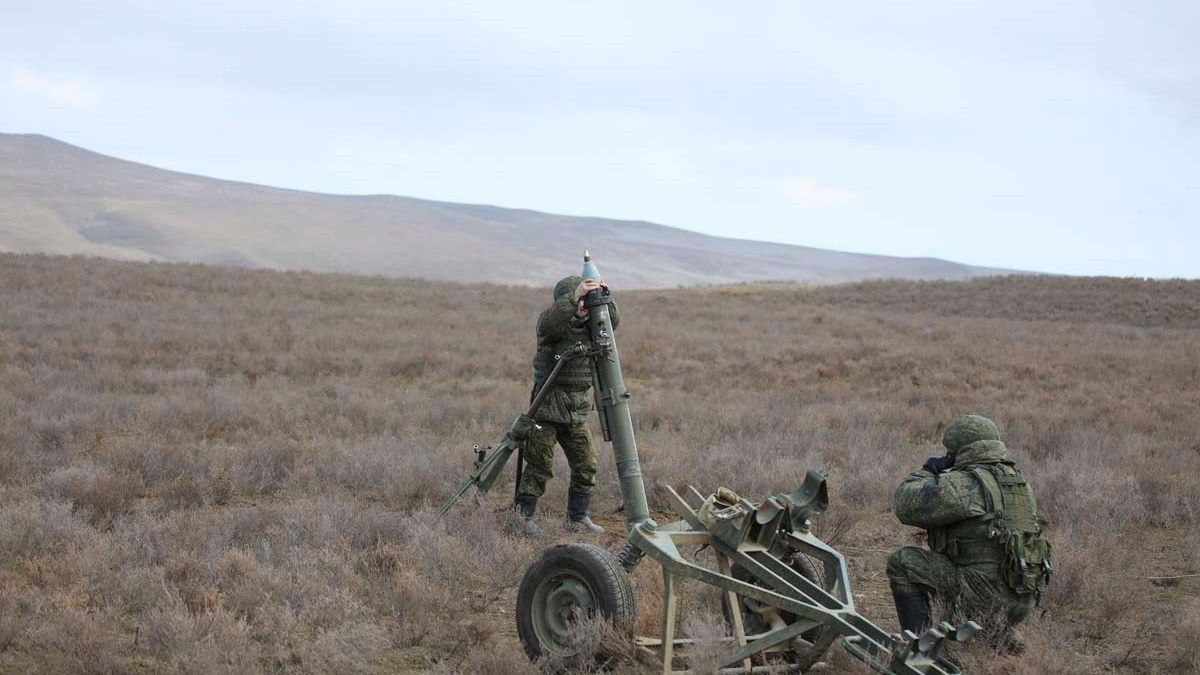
<point>775,584</point>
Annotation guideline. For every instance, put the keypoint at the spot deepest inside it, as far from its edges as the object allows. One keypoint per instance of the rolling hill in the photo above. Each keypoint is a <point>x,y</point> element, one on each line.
<point>61,199</point>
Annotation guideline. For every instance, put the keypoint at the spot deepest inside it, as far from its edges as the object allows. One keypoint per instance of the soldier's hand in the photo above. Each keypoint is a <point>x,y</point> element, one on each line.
<point>936,465</point>
<point>586,287</point>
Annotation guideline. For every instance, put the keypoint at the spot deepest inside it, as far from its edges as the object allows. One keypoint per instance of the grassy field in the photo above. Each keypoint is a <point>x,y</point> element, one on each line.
<point>212,470</point>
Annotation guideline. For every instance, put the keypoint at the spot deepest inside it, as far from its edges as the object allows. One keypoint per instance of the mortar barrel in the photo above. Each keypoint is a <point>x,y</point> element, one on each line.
<point>613,400</point>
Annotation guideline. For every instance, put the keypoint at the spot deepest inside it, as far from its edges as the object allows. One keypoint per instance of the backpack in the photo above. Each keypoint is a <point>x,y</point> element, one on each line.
<point>1027,565</point>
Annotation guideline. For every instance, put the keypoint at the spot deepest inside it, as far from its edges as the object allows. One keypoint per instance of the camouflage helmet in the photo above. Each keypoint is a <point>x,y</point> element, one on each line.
<point>566,286</point>
<point>968,429</point>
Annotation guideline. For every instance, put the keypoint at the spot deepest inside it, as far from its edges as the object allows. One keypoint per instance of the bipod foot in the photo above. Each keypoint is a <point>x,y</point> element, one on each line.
<point>929,644</point>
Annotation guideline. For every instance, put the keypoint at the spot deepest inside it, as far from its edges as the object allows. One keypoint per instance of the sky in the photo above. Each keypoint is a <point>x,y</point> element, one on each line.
<point>1057,137</point>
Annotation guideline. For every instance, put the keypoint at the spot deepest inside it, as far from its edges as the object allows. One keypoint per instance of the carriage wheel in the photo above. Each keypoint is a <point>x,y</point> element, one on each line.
<point>811,645</point>
<point>568,583</point>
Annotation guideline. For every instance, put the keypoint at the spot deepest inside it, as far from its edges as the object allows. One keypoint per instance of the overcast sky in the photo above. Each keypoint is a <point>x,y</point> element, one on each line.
<point>1060,137</point>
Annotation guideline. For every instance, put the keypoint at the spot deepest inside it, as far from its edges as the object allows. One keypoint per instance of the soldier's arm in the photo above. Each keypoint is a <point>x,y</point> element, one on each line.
<point>928,500</point>
<point>614,315</point>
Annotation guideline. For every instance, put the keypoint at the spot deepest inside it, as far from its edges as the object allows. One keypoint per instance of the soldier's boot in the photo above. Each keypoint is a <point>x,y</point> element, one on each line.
<point>577,513</point>
<point>913,611</point>
<point>525,507</point>
<point>1012,643</point>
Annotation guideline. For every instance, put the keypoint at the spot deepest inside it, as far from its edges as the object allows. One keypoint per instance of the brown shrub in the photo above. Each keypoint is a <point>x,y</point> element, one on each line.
<point>41,528</point>
<point>1185,640</point>
<point>69,639</point>
<point>236,475</point>
<point>184,642</point>
<point>10,610</point>
<point>182,493</point>
<point>94,490</point>
<point>1045,650</point>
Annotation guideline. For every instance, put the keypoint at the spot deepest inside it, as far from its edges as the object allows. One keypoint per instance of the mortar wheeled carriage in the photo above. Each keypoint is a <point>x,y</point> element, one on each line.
<point>786,594</point>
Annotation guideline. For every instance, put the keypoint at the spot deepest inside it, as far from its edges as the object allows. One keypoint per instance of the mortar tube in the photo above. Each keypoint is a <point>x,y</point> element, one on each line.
<point>613,402</point>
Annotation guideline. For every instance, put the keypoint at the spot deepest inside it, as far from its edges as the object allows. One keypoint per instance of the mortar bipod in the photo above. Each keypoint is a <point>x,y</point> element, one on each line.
<point>490,461</point>
<point>922,652</point>
<point>798,608</point>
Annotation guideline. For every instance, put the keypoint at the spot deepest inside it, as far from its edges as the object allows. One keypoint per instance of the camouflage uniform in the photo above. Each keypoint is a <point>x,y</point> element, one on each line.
<point>987,556</point>
<point>563,415</point>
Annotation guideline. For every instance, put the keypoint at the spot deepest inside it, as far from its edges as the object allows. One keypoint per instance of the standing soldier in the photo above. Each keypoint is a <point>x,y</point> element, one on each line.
<point>563,415</point>
<point>986,551</point>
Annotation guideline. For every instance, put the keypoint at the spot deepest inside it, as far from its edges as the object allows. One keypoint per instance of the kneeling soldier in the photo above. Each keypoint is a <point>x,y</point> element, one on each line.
<point>986,551</point>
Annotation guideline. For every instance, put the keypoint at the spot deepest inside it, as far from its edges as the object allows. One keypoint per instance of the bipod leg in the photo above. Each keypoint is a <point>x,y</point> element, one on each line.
<point>734,604</point>
<point>670,605</point>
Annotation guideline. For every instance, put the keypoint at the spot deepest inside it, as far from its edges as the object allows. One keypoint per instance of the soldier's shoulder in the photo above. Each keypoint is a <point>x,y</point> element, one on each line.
<point>552,314</point>
<point>959,476</point>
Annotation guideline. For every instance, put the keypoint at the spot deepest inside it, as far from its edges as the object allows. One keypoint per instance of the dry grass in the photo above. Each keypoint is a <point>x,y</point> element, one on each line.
<point>212,470</point>
<point>1134,302</point>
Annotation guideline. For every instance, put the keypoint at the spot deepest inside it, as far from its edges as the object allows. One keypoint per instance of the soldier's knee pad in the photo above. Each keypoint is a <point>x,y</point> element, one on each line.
<point>898,571</point>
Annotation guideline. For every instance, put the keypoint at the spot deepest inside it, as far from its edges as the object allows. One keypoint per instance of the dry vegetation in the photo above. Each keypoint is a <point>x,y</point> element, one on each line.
<point>211,470</point>
<point>1134,302</point>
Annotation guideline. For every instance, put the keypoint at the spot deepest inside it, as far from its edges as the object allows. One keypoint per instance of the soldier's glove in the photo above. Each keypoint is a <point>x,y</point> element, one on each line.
<point>936,465</point>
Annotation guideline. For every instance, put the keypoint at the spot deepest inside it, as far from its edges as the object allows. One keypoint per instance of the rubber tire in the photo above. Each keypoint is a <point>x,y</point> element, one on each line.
<point>607,582</point>
<point>821,638</point>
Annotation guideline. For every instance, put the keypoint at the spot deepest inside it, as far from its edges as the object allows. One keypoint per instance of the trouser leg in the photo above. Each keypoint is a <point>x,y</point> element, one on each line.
<point>577,445</point>
<point>912,610</point>
<point>576,442</point>
<point>526,505</point>
<point>916,576</point>
<point>539,460</point>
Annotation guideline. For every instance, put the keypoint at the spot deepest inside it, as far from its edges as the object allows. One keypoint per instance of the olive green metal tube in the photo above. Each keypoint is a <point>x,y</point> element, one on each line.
<point>612,401</point>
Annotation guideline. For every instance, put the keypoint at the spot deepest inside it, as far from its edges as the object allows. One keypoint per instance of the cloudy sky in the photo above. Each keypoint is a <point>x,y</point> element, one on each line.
<point>1060,137</point>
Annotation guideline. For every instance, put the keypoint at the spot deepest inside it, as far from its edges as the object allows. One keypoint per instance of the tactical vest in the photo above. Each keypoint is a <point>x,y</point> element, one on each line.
<point>1008,534</point>
<point>575,375</point>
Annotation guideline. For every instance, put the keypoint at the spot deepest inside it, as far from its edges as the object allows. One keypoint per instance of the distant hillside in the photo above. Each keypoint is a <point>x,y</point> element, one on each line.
<point>58,198</point>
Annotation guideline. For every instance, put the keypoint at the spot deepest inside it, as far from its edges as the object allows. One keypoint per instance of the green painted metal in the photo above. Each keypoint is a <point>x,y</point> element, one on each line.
<point>757,538</point>
<point>562,597</point>
<point>612,400</point>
